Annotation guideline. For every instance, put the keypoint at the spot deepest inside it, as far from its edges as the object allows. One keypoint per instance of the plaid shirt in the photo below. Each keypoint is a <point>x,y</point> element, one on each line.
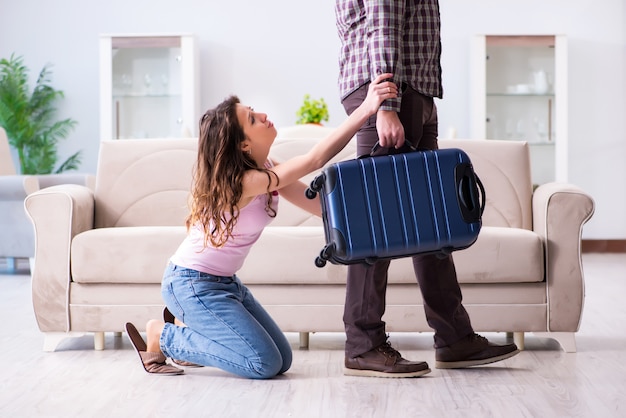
<point>389,36</point>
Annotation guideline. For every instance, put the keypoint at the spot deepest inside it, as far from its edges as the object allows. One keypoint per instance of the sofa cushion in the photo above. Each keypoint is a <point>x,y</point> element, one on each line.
<point>494,258</point>
<point>502,255</point>
<point>124,254</point>
<point>140,254</point>
<point>286,254</point>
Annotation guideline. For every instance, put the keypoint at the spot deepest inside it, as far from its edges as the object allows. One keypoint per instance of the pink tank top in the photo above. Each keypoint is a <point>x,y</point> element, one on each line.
<point>226,260</point>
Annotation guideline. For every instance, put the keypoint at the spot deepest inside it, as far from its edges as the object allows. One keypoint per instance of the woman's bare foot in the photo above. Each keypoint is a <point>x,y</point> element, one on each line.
<point>154,328</point>
<point>152,361</point>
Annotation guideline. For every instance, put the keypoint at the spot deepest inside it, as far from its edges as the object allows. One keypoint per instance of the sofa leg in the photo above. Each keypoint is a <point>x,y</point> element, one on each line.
<point>117,334</point>
<point>518,339</point>
<point>98,341</point>
<point>304,341</point>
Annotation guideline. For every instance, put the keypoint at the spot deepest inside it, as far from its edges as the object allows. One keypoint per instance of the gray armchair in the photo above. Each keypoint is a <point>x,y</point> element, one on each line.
<point>17,238</point>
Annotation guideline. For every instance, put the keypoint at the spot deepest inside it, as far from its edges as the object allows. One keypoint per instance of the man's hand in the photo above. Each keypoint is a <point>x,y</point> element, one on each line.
<point>390,129</point>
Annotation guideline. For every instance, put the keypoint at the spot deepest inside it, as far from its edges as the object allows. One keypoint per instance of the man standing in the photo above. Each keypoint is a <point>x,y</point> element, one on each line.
<point>401,37</point>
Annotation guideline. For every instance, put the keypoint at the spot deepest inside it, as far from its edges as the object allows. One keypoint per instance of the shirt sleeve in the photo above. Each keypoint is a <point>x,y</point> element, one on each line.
<point>384,26</point>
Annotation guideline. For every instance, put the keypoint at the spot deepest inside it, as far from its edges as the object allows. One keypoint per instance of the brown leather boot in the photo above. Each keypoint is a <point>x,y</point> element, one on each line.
<point>473,350</point>
<point>384,361</point>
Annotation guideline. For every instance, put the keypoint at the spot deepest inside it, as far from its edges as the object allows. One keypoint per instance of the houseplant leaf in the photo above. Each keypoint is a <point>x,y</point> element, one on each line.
<point>312,111</point>
<point>29,119</point>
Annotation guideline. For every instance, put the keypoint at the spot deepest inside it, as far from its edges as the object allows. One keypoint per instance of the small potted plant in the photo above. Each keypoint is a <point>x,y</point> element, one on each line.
<point>29,121</point>
<point>312,111</point>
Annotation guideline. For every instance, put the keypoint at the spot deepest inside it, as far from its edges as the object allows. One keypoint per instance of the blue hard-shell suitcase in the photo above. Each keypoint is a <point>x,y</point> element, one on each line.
<point>398,205</point>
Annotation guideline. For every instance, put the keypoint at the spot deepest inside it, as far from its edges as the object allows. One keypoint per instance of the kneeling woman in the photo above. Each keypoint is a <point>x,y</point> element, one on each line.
<point>234,196</point>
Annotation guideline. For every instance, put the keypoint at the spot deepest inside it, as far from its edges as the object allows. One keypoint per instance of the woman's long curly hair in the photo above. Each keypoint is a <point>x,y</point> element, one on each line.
<point>218,174</point>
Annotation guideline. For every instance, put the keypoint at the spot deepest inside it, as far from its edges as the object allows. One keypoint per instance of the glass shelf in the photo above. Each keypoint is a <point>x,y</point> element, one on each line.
<point>541,143</point>
<point>149,86</point>
<point>546,95</point>
<point>144,96</point>
<point>519,92</point>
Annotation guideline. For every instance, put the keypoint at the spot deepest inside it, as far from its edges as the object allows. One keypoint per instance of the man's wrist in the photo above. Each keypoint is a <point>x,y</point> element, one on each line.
<point>390,105</point>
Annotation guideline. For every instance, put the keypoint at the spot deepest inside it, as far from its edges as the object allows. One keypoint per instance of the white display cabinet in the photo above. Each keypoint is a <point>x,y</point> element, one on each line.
<point>519,92</point>
<point>148,86</point>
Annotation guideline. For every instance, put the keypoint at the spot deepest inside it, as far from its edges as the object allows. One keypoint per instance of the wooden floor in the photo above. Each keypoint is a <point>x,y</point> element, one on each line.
<point>542,381</point>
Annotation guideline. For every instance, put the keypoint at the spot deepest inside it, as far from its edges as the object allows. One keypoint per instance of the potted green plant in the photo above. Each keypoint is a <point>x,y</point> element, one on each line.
<point>28,119</point>
<point>312,111</point>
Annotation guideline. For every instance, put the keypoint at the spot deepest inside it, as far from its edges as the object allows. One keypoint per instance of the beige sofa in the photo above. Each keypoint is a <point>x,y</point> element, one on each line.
<point>100,254</point>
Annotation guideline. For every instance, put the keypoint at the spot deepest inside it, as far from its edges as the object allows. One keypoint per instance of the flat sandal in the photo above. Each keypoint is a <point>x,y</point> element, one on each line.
<point>151,362</point>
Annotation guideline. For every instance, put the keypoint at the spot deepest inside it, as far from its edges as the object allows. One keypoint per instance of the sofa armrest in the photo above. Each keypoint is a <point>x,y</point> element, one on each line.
<point>58,213</point>
<point>49,180</point>
<point>559,213</point>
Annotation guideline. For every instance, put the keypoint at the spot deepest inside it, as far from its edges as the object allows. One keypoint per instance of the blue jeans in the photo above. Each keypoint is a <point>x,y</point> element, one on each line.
<point>226,327</point>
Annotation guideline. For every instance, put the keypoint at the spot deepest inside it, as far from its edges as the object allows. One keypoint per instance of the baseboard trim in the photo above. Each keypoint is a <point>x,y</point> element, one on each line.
<point>604,246</point>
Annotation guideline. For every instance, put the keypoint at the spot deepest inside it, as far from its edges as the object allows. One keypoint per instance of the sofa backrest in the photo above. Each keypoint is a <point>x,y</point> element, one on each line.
<point>282,150</point>
<point>144,182</point>
<point>503,167</point>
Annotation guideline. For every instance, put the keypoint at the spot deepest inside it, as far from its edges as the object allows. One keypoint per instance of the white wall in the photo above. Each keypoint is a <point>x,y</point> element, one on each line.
<point>272,52</point>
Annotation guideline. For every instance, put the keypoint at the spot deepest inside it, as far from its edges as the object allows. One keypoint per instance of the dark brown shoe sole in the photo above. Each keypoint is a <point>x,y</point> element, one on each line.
<point>374,373</point>
<point>469,363</point>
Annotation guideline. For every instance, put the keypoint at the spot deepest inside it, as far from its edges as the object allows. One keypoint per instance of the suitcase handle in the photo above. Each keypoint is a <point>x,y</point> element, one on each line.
<point>472,204</point>
<point>406,147</point>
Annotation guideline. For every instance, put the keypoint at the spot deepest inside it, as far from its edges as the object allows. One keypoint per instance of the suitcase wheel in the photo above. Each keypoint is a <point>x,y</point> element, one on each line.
<point>310,194</point>
<point>327,252</point>
<point>320,262</point>
<point>316,184</point>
